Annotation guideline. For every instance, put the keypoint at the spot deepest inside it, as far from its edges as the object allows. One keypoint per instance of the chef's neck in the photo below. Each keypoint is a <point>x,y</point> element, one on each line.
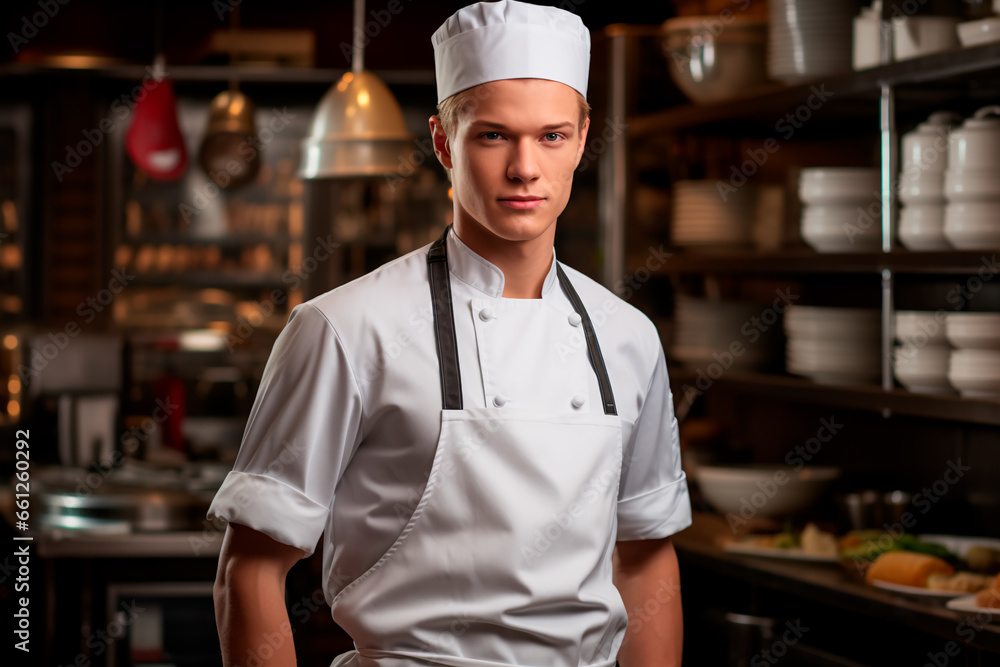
<point>524,264</point>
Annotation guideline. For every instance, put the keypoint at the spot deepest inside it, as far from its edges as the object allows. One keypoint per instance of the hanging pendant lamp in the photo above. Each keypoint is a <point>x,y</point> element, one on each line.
<point>358,129</point>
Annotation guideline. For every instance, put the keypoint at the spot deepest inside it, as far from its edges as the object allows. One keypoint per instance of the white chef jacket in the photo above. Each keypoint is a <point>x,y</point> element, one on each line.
<point>345,423</point>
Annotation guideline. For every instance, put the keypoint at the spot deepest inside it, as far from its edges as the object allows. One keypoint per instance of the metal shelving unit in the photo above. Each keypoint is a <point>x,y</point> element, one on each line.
<point>879,92</point>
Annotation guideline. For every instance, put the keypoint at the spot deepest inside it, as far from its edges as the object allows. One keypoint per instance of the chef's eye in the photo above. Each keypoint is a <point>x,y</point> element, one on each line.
<point>492,136</point>
<point>553,136</point>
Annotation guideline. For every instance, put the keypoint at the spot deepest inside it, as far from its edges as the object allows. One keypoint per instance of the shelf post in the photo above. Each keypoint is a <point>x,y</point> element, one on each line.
<point>612,169</point>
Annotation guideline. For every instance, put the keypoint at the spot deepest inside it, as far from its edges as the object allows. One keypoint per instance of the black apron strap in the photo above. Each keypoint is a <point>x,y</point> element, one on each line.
<point>596,358</point>
<point>447,341</point>
<point>444,324</point>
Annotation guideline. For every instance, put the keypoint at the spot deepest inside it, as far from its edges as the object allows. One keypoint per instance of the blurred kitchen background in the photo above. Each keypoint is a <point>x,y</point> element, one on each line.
<point>176,176</point>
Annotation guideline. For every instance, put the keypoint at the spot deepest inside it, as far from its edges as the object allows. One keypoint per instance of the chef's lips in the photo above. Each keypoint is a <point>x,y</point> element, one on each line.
<point>154,140</point>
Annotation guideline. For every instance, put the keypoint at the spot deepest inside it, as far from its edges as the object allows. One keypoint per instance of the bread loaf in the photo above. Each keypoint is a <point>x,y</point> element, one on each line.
<point>906,568</point>
<point>990,597</point>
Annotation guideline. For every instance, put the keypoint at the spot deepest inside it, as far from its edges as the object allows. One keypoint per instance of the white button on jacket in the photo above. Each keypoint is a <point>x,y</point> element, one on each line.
<point>343,430</point>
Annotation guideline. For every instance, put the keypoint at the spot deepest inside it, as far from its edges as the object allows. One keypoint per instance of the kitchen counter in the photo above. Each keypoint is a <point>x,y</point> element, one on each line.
<point>830,585</point>
<point>176,544</point>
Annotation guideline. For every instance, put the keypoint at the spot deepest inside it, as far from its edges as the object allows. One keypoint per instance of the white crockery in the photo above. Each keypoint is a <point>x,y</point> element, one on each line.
<point>983,31</point>
<point>839,185</point>
<point>923,369</point>
<point>976,144</point>
<point>972,225</point>
<point>914,36</point>
<point>919,328</point>
<point>979,331</point>
<point>975,373</point>
<point>926,147</point>
<point>921,187</point>
<point>921,227</point>
<point>727,488</point>
<point>964,185</point>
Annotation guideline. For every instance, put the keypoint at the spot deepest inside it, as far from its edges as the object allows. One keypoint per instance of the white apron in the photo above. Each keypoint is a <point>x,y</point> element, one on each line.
<point>506,559</point>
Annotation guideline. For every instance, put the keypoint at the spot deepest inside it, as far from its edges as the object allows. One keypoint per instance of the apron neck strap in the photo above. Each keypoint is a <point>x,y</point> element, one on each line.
<point>447,341</point>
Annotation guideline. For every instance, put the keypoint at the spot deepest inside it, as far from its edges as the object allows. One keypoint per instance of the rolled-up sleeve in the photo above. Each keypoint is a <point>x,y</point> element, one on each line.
<point>653,501</point>
<point>302,431</point>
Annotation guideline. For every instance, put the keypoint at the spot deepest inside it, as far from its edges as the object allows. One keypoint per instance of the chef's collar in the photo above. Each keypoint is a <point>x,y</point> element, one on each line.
<point>483,275</point>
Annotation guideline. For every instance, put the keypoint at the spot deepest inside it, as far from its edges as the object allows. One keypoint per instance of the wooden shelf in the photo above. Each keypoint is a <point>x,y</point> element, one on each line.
<point>806,260</point>
<point>771,102</point>
<point>869,398</point>
<point>207,279</point>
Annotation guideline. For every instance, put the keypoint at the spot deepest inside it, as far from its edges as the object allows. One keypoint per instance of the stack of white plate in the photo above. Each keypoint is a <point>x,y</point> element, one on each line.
<point>842,209</point>
<point>704,216</point>
<point>974,368</point>
<point>834,345</point>
<point>923,369</point>
<point>809,39</point>
<point>710,333</point>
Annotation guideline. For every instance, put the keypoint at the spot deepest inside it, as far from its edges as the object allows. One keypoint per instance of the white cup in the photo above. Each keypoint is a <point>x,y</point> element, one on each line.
<point>914,36</point>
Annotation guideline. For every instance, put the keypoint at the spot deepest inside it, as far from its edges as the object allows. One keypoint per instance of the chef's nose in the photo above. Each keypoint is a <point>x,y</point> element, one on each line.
<point>523,162</point>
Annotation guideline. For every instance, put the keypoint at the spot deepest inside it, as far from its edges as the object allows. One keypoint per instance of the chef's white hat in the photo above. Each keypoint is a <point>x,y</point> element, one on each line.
<point>489,41</point>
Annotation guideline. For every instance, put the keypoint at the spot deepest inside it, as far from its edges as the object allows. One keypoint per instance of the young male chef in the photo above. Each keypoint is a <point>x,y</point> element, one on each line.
<point>484,436</point>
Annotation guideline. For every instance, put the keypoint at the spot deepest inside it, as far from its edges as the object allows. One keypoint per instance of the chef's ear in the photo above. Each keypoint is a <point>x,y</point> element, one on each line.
<point>583,141</point>
<point>442,147</point>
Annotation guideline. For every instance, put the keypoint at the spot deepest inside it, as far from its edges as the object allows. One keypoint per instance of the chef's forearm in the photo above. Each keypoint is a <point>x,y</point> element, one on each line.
<point>249,594</point>
<point>648,579</point>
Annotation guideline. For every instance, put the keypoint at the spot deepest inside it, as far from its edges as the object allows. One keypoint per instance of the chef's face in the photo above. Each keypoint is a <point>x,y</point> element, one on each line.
<point>512,156</point>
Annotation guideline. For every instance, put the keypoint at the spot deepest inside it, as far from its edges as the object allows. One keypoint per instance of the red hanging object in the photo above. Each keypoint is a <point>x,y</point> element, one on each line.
<point>154,140</point>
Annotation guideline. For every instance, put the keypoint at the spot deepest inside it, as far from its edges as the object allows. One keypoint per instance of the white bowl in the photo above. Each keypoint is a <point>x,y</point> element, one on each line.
<point>711,67</point>
<point>983,31</point>
<point>920,328</point>
<point>976,331</point>
<point>847,237</point>
<point>972,225</point>
<point>971,185</point>
<point>921,227</point>
<point>975,373</point>
<point>923,370</point>
<point>839,185</point>
<point>766,491</point>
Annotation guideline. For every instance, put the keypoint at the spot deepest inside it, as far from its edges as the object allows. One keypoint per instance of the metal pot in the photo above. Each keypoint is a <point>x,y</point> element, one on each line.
<point>229,153</point>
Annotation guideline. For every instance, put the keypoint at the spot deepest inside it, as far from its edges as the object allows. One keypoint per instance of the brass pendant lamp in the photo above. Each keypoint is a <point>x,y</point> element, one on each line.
<point>358,129</point>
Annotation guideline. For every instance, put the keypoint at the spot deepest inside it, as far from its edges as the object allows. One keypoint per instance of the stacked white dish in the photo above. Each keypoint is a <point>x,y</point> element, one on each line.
<point>834,345</point>
<point>702,217</point>
<point>921,362</point>
<point>921,183</point>
<point>809,39</point>
<point>842,209</point>
<point>972,214</point>
<point>974,368</point>
<point>709,333</point>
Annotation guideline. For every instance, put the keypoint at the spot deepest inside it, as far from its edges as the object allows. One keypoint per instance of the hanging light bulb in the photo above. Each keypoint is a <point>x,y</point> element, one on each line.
<point>358,129</point>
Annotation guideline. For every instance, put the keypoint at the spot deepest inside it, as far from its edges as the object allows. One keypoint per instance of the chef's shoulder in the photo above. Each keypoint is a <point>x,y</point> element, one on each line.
<point>618,323</point>
<point>388,297</point>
